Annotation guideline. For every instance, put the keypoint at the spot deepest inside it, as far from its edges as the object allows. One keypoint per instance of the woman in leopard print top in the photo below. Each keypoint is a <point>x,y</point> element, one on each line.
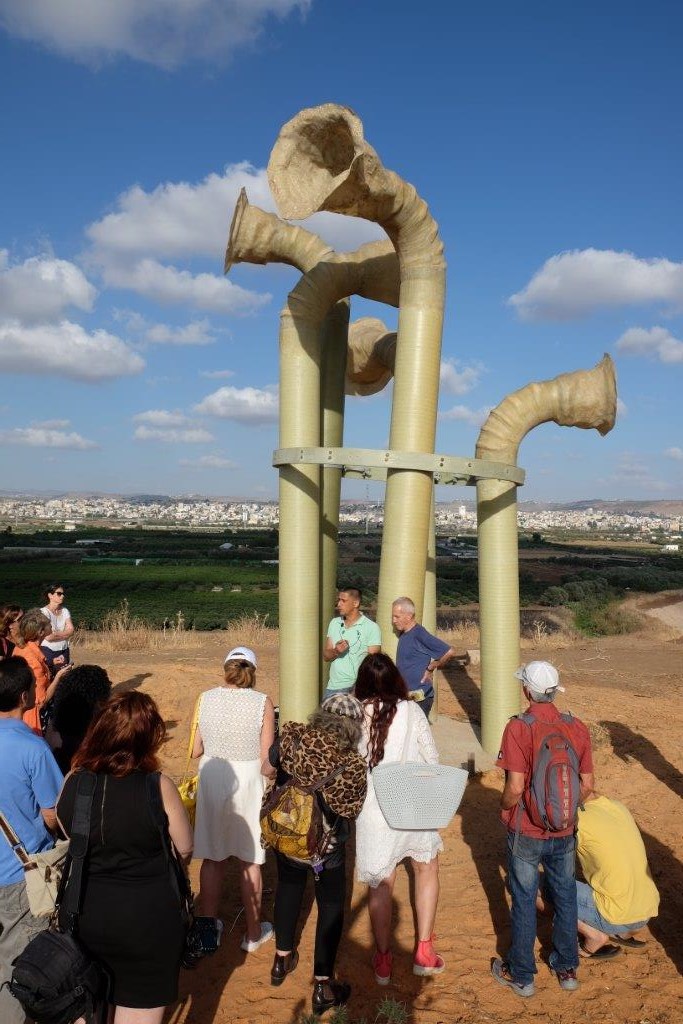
<point>308,753</point>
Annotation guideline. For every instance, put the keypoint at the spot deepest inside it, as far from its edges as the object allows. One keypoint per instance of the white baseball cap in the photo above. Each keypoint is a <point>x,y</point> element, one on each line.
<point>540,677</point>
<point>241,654</point>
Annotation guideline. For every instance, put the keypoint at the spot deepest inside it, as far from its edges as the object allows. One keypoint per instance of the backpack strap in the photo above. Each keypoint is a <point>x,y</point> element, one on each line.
<point>179,879</point>
<point>69,894</point>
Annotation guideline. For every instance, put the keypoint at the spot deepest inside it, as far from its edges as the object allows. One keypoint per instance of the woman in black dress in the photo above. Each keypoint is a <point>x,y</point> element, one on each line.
<point>131,917</point>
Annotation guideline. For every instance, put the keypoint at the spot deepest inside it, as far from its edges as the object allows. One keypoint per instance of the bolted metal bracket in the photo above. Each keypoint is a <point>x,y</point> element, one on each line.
<point>371,464</point>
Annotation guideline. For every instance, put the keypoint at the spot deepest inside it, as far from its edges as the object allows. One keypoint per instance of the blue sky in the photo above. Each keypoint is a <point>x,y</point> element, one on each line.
<point>545,139</point>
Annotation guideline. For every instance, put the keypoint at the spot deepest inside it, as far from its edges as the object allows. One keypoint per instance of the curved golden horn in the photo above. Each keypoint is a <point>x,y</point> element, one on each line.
<point>585,398</point>
<point>371,356</point>
<point>321,161</point>
<point>259,237</point>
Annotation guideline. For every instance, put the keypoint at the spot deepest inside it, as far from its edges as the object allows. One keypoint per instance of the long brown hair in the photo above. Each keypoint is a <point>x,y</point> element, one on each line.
<point>380,684</point>
<point>125,737</point>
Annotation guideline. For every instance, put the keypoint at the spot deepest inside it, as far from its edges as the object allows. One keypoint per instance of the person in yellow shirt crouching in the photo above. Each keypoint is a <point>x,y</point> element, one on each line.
<point>619,896</point>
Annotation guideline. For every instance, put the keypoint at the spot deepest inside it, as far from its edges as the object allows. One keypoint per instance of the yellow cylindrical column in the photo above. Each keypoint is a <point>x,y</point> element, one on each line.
<point>584,398</point>
<point>429,605</point>
<point>299,524</point>
<point>498,608</point>
<point>413,427</point>
<point>334,339</point>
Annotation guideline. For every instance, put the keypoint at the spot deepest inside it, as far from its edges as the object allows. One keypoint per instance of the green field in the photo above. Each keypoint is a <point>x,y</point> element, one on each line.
<point>185,571</point>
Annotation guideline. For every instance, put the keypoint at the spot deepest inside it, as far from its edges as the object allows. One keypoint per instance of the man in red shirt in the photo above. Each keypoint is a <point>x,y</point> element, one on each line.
<point>530,847</point>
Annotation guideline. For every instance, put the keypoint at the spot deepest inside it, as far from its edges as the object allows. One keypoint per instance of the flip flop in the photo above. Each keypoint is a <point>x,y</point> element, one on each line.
<point>606,952</point>
<point>630,943</point>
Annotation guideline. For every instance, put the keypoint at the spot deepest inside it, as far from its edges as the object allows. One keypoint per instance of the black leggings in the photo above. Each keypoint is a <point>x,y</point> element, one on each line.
<point>330,893</point>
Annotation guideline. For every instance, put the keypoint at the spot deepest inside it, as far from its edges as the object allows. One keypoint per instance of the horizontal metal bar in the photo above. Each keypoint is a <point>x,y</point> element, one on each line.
<point>371,464</point>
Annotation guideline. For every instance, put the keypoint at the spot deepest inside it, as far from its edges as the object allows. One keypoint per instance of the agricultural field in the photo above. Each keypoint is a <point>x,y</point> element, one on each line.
<point>164,574</point>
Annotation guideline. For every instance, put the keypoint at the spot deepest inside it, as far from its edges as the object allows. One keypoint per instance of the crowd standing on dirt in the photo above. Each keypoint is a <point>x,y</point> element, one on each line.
<point>60,722</point>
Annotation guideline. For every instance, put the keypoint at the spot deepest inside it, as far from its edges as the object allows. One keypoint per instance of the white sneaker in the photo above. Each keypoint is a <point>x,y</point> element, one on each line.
<point>267,933</point>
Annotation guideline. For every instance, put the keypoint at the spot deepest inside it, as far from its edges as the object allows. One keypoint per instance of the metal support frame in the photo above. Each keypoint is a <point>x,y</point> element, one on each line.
<point>372,464</point>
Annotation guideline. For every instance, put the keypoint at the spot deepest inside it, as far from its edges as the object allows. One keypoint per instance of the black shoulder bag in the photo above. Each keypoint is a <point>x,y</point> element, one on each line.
<point>55,979</point>
<point>200,936</point>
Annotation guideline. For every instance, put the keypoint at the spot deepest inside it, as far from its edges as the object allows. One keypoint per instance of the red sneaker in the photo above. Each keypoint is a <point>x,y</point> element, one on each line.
<point>427,961</point>
<point>381,965</point>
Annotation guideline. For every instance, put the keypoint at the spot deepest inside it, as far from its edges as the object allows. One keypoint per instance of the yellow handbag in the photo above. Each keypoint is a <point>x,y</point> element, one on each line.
<point>189,784</point>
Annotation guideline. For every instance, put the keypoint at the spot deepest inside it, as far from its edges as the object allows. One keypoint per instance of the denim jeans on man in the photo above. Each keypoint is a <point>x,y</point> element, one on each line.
<point>557,857</point>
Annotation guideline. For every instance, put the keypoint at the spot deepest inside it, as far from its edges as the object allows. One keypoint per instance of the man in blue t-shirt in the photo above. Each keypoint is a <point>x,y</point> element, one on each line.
<point>30,785</point>
<point>419,654</point>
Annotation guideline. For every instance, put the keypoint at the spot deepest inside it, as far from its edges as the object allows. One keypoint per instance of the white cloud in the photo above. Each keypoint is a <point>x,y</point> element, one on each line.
<point>574,284</point>
<point>674,453</point>
<point>198,332</point>
<point>191,435</point>
<point>51,424</point>
<point>161,418</point>
<point>632,470</point>
<point>168,285</point>
<point>184,220</point>
<point>65,350</point>
<point>41,288</point>
<point>622,408</point>
<point>475,417</point>
<point>217,374</point>
<point>165,33</point>
<point>209,462</point>
<point>41,437</point>
<point>657,343</point>
<point>243,405</point>
<point>459,381</point>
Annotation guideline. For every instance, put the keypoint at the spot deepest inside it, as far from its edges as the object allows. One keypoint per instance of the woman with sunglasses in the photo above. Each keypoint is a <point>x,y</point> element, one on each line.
<point>235,729</point>
<point>9,628</point>
<point>55,646</point>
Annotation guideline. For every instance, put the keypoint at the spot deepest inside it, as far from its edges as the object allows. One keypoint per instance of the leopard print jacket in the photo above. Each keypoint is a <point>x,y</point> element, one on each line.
<point>310,754</point>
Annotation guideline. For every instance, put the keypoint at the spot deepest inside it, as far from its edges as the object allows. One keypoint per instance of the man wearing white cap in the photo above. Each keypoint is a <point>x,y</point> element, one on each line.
<point>548,769</point>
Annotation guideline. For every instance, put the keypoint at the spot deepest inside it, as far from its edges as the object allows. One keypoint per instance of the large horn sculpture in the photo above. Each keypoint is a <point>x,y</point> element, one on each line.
<point>322,162</point>
<point>585,398</point>
<point>313,355</point>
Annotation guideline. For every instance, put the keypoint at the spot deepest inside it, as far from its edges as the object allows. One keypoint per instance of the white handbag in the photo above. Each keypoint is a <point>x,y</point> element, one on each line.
<point>417,795</point>
<point>42,871</point>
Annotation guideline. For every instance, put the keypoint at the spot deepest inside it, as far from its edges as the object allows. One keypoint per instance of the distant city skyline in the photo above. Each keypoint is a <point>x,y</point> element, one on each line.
<point>543,139</point>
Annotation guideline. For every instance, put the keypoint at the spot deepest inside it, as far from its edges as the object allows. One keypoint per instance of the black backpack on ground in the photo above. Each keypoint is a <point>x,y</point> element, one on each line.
<point>55,979</point>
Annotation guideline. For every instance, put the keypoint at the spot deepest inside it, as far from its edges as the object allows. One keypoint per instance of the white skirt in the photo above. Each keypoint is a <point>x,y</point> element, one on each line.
<point>379,848</point>
<point>228,806</point>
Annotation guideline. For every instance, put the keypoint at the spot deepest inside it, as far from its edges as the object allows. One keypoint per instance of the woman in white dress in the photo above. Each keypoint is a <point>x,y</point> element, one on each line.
<point>391,722</point>
<point>236,727</point>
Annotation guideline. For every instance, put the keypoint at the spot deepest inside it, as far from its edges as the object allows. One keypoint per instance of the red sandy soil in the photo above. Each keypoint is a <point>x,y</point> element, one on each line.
<point>630,690</point>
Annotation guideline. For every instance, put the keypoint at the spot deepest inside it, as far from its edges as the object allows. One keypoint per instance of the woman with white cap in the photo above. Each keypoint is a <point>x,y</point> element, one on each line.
<point>235,729</point>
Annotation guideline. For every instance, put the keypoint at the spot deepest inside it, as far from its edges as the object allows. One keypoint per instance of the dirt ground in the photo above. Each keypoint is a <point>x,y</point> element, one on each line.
<point>630,690</point>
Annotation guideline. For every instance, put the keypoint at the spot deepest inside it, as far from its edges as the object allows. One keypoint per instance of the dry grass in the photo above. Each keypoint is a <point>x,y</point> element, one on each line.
<point>463,636</point>
<point>251,630</point>
<point>121,631</point>
<point>552,640</point>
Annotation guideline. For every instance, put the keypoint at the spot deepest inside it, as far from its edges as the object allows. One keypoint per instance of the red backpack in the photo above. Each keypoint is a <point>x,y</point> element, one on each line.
<point>553,792</point>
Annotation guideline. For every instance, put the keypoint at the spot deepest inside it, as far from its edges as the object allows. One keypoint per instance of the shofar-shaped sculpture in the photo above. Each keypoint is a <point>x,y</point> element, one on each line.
<point>322,162</point>
<point>586,399</point>
<point>312,342</point>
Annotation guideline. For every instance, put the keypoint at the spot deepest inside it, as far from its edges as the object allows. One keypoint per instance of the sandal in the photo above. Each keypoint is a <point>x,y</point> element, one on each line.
<point>630,943</point>
<point>605,952</point>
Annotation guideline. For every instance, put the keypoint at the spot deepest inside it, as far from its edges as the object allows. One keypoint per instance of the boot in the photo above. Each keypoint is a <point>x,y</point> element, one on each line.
<point>282,966</point>
<point>329,993</point>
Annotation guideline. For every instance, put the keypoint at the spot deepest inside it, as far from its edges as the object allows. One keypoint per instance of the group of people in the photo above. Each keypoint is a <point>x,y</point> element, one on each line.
<point>373,712</point>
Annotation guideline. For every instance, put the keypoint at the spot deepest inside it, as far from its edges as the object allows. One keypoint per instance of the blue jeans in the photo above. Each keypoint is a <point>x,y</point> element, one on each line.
<point>525,856</point>
<point>590,915</point>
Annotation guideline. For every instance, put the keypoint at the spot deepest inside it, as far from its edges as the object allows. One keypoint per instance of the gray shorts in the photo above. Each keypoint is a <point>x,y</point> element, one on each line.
<point>17,927</point>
